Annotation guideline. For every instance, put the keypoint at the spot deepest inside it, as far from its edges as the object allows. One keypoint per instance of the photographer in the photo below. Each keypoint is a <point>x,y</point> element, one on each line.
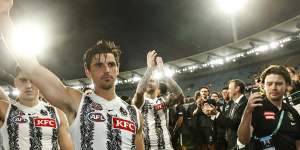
<point>293,90</point>
<point>267,122</point>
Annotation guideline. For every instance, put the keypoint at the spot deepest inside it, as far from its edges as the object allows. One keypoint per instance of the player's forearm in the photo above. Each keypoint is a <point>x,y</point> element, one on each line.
<point>143,82</point>
<point>138,98</point>
<point>173,87</point>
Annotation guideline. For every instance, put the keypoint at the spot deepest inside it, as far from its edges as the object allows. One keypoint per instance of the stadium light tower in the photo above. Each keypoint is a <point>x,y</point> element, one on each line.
<point>231,8</point>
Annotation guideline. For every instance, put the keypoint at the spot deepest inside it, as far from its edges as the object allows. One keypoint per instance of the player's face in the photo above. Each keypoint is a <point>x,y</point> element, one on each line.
<point>27,90</point>
<point>103,71</point>
<point>152,85</point>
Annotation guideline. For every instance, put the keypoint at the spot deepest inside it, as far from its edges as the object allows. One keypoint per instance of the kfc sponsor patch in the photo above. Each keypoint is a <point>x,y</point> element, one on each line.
<point>158,107</point>
<point>122,124</point>
<point>44,122</point>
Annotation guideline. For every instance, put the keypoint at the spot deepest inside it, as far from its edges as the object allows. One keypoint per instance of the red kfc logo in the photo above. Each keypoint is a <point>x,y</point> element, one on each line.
<point>159,106</point>
<point>44,122</point>
<point>119,123</point>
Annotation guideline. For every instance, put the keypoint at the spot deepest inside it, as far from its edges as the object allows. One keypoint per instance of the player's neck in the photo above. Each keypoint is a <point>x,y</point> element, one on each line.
<point>29,102</point>
<point>109,94</point>
<point>151,95</point>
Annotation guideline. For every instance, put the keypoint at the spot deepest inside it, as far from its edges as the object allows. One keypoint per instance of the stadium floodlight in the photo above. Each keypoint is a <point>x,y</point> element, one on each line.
<point>231,6</point>
<point>136,78</point>
<point>217,62</point>
<point>28,39</point>
<point>274,45</point>
<point>262,48</point>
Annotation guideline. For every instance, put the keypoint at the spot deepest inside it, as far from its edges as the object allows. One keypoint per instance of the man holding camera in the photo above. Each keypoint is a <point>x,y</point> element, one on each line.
<point>267,122</point>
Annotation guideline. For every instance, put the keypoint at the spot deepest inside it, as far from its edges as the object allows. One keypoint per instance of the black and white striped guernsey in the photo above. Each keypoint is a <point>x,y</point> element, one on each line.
<point>31,128</point>
<point>104,125</point>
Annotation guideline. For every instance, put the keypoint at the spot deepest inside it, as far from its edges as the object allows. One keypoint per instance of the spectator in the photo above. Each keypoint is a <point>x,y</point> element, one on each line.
<point>232,120</point>
<point>267,122</point>
<point>202,125</point>
<point>221,143</point>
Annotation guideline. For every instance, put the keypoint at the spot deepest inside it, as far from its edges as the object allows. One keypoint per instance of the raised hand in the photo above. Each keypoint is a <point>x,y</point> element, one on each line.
<point>5,7</point>
<point>253,101</point>
<point>151,58</point>
<point>159,62</point>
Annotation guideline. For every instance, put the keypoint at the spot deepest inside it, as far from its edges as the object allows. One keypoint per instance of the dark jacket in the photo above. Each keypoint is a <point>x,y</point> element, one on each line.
<point>232,121</point>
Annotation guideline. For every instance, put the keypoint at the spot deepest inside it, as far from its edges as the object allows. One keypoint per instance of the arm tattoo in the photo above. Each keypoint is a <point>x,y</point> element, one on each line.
<point>173,87</point>
<point>143,82</point>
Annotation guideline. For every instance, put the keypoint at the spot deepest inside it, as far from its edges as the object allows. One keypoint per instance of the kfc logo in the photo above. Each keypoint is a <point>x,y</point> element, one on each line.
<point>44,122</point>
<point>96,117</point>
<point>19,119</point>
<point>119,123</point>
<point>159,106</point>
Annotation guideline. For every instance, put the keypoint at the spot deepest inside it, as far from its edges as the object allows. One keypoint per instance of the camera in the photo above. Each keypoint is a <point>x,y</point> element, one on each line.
<point>255,90</point>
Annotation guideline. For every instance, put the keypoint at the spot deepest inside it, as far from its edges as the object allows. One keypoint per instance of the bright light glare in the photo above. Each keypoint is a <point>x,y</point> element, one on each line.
<point>231,6</point>
<point>274,45</point>
<point>217,62</point>
<point>28,39</point>
<point>169,72</point>
<point>15,92</point>
<point>157,75</point>
<point>136,78</point>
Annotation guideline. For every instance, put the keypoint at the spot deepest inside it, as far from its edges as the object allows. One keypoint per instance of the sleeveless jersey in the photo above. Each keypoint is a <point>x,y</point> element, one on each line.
<point>30,128</point>
<point>156,133</point>
<point>104,125</point>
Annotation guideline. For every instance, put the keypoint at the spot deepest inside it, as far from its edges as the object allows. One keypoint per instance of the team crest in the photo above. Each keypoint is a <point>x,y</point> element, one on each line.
<point>96,106</point>
<point>123,111</point>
